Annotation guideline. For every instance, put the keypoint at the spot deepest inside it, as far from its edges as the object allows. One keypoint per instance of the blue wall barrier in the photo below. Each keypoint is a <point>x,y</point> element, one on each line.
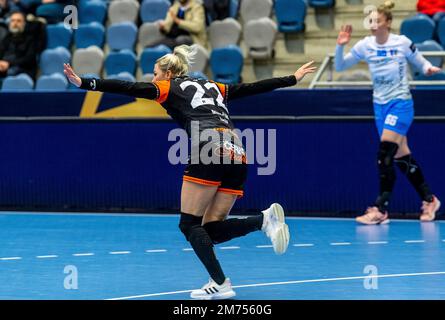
<point>322,166</point>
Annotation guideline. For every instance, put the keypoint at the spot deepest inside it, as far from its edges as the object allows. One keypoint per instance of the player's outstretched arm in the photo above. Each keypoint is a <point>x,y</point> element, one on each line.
<point>248,89</point>
<point>135,89</point>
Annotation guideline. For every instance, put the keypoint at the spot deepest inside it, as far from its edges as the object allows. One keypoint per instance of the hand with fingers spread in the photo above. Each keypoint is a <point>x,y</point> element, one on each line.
<point>305,69</point>
<point>71,75</point>
<point>344,35</point>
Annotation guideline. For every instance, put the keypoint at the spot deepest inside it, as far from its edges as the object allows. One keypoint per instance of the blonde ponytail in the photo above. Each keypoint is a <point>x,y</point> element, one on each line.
<point>178,62</point>
<point>386,8</point>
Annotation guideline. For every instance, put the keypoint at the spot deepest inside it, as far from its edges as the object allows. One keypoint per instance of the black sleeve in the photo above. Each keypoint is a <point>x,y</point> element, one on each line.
<point>145,90</point>
<point>248,89</point>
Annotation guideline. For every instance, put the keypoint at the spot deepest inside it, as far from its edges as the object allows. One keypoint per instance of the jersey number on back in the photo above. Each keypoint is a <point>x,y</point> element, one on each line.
<point>198,98</point>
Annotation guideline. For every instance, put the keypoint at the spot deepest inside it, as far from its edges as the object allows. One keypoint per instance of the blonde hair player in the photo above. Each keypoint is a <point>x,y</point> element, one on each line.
<point>209,191</point>
<point>387,55</point>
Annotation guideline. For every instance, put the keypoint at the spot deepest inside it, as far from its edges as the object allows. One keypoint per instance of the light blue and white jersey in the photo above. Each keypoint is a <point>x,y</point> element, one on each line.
<point>388,65</point>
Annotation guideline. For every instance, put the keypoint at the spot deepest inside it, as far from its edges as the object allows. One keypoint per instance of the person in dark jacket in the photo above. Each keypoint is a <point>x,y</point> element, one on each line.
<point>18,50</point>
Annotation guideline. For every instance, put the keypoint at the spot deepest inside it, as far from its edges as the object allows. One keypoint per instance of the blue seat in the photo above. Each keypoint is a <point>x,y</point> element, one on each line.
<point>198,75</point>
<point>226,64</point>
<point>122,61</point>
<point>150,55</point>
<point>58,36</point>
<point>122,76</point>
<point>54,81</point>
<point>92,11</point>
<point>91,34</point>
<point>321,3</point>
<point>441,31</point>
<point>153,10</point>
<point>234,8</point>
<point>52,60</point>
<point>19,82</point>
<point>430,45</point>
<point>122,35</point>
<point>418,28</point>
<point>290,15</point>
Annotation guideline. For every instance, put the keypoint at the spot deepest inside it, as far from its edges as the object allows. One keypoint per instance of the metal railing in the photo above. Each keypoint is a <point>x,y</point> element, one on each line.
<point>328,65</point>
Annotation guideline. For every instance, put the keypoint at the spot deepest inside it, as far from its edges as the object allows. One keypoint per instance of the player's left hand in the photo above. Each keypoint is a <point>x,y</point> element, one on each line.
<point>433,70</point>
<point>304,70</point>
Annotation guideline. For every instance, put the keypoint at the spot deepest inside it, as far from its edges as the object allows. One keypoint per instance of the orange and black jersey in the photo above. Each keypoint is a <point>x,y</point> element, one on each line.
<point>187,99</point>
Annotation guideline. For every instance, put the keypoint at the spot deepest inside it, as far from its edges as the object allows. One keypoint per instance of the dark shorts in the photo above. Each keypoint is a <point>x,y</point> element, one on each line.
<point>225,167</point>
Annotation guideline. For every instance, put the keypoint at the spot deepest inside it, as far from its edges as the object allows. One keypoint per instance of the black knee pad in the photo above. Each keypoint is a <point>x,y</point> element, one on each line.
<point>387,151</point>
<point>187,223</point>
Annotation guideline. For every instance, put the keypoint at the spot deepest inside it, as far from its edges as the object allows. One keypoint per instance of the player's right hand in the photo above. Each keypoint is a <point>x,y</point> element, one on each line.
<point>71,75</point>
<point>344,35</point>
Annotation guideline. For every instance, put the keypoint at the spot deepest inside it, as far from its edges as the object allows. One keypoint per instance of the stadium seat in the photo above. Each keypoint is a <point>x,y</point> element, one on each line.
<point>149,34</point>
<point>51,12</point>
<point>122,35</point>
<point>234,7</point>
<point>90,34</point>
<point>418,28</point>
<point>52,60</point>
<point>441,31</point>
<point>154,10</point>
<point>198,75</point>
<point>54,81</point>
<point>290,15</point>
<point>148,77</point>
<point>150,55</point>
<point>321,3</point>
<point>200,60</point>
<point>122,61</point>
<point>255,9</point>
<point>226,64</point>
<point>88,60</point>
<point>19,82</point>
<point>92,11</point>
<point>431,45</point>
<point>123,11</point>
<point>122,76</point>
<point>58,36</point>
<point>259,37</point>
<point>224,32</point>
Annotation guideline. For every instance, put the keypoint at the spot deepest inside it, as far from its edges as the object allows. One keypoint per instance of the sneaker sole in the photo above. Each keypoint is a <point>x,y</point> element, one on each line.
<point>279,211</point>
<point>282,241</point>
<point>215,296</point>
<point>386,221</point>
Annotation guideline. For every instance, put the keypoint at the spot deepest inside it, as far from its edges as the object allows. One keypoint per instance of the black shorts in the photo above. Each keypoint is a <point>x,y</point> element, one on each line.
<point>225,168</point>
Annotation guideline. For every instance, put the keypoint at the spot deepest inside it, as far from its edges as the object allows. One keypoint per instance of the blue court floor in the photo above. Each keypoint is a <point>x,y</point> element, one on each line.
<point>103,256</point>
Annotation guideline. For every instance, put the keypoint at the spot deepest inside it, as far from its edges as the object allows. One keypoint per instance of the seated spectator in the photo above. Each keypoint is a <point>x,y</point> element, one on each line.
<point>20,48</point>
<point>184,24</point>
<point>216,10</point>
<point>434,8</point>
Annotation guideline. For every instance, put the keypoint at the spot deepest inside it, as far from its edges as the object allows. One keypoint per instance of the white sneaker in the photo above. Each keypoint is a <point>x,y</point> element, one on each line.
<point>214,291</point>
<point>275,228</point>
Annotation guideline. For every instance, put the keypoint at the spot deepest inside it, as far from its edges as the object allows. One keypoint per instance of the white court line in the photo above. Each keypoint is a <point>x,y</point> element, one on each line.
<point>265,246</point>
<point>400,275</point>
<point>156,250</point>
<point>187,249</point>
<point>230,248</point>
<point>340,243</point>
<point>119,252</point>
<point>414,241</point>
<point>83,254</point>
<point>11,258</point>
<point>49,256</point>
<point>303,245</point>
<point>377,242</point>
